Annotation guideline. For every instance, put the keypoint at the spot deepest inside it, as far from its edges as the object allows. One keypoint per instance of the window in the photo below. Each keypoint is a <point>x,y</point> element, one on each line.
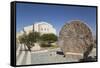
<point>45,29</point>
<point>41,29</point>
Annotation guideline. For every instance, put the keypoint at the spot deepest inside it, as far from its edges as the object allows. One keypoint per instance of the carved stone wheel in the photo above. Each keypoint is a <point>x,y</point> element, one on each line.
<point>75,39</point>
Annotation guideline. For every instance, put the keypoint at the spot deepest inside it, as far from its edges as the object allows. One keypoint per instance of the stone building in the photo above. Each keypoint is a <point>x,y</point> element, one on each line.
<point>41,27</point>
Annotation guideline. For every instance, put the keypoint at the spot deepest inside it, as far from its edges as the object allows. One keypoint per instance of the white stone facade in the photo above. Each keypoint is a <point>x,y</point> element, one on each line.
<point>19,34</point>
<point>41,27</point>
<point>28,29</point>
<point>44,28</point>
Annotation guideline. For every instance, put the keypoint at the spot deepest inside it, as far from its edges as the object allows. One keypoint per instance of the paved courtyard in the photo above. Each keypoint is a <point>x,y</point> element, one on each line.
<point>41,57</point>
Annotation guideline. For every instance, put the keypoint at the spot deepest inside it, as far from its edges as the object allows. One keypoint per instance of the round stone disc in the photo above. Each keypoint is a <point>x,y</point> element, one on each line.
<point>75,38</point>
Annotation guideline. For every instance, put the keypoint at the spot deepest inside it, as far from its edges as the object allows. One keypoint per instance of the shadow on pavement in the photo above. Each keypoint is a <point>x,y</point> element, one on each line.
<point>89,59</point>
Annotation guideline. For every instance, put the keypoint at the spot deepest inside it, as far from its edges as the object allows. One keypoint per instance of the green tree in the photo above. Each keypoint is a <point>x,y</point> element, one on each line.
<point>23,40</point>
<point>48,38</point>
<point>33,37</point>
<point>30,39</point>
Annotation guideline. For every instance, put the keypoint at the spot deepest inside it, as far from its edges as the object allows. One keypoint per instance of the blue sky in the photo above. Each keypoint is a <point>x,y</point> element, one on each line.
<point>28,14</point>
